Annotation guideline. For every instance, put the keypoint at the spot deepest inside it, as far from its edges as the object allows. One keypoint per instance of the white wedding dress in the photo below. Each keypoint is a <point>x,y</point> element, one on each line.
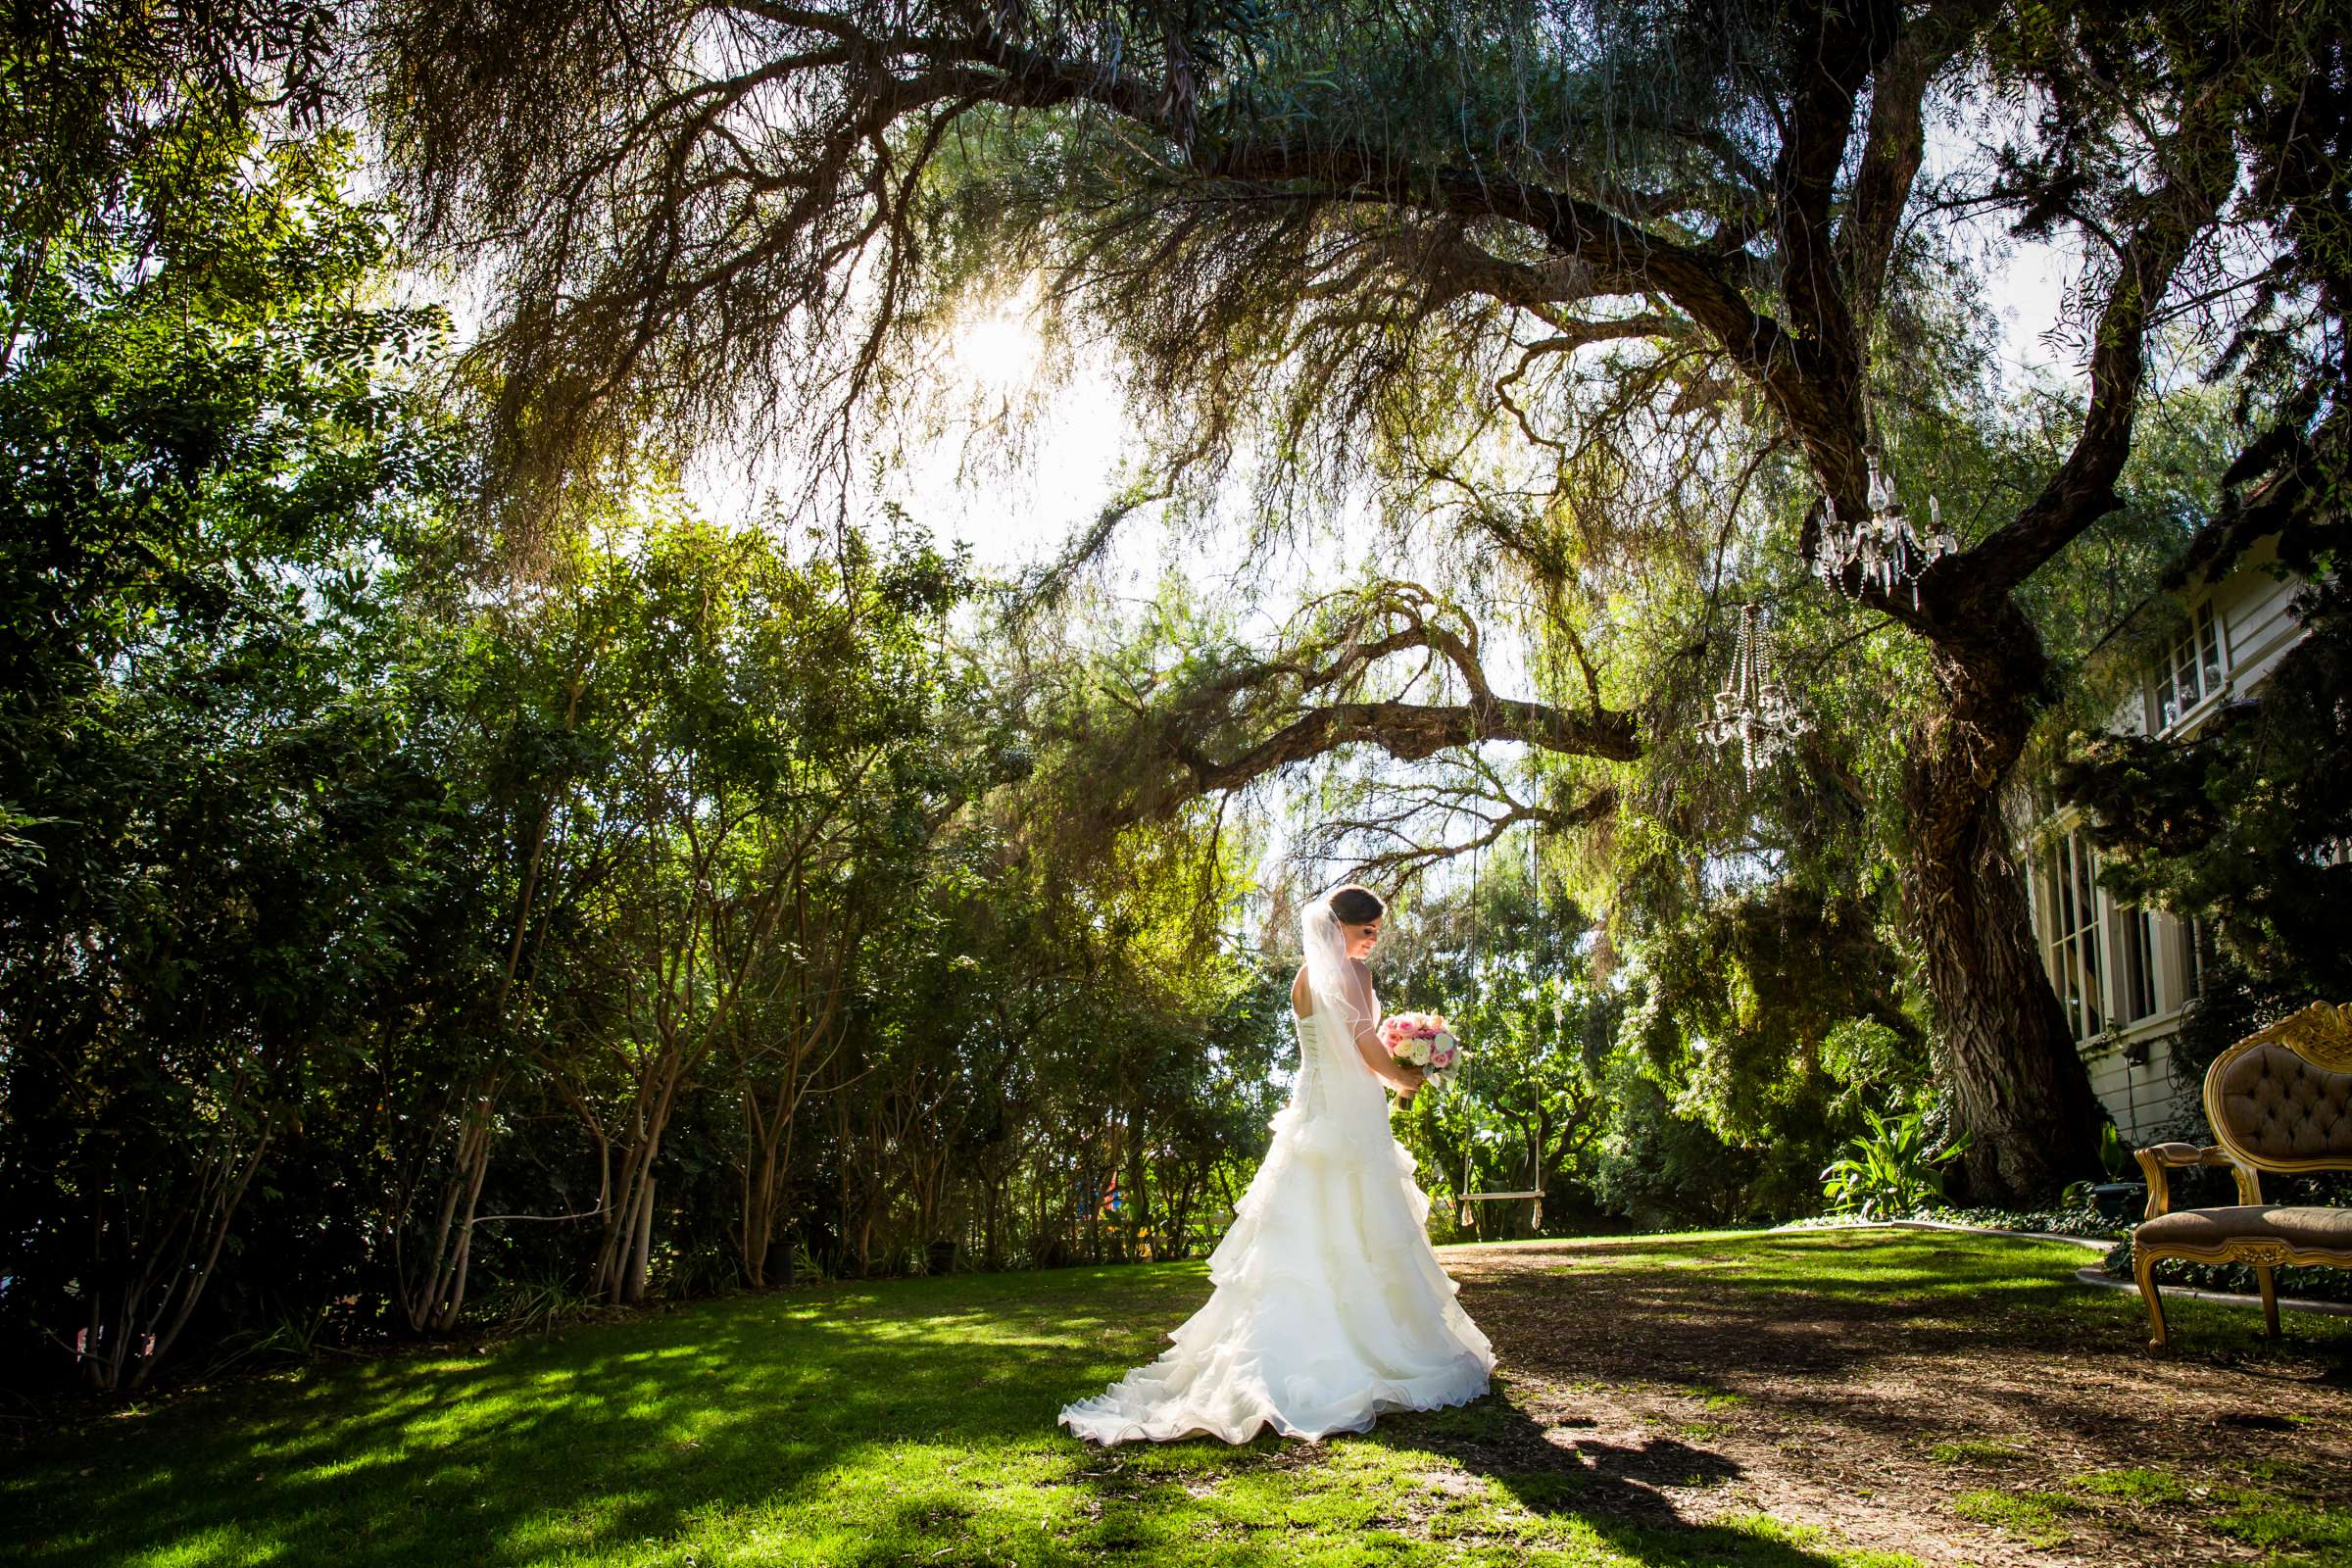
<point>1330,1308</point>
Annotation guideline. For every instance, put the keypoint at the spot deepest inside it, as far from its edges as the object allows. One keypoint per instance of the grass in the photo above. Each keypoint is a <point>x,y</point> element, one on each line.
<point>1915,1271</point>
<point>903,1422</point>
<point>2032,1516</point>
<point>2139,1484</point>
<point>912,1422</point>
<point>2298,1533</point>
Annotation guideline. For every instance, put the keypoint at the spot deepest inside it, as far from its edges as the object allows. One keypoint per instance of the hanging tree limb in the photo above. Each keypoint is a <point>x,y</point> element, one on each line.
<point>678,226</point>
<point>1346,680</point>
<point>1410,828</point>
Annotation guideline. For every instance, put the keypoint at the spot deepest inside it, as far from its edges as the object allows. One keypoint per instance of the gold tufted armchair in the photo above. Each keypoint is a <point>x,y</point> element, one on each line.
<point>2279,1099</point>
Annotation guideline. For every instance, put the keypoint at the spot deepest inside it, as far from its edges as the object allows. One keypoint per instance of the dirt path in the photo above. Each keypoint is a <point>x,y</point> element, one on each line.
<point>1956,1430</point>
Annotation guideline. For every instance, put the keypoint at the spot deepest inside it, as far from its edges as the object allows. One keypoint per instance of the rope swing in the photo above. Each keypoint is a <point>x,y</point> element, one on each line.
<point>1534,1219</point>
<point>1535,1154</point>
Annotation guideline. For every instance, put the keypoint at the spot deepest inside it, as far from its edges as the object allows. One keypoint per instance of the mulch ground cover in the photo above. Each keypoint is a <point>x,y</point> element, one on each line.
<point>1846,1386</point>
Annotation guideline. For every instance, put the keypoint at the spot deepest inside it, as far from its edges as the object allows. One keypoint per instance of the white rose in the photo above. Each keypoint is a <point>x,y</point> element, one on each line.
<point>1416,1051</point>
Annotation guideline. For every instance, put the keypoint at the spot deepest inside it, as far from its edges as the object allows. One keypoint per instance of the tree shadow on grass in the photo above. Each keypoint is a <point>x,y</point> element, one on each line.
<point>1585,1491</point>
<point>1617,1490</point>
<point>833,1410</point>
<point>615,1439</point>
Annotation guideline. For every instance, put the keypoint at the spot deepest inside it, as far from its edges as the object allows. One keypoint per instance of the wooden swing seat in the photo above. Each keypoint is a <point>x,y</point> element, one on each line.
<point>1461,1207</point>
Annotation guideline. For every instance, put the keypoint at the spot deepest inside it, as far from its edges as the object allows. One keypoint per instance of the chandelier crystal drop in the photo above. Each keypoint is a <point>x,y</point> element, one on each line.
<point>1753,711</point>
<point>1884,546</point>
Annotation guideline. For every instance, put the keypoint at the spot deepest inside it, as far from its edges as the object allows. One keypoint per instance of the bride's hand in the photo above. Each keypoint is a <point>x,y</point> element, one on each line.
<point>1413,1078</point>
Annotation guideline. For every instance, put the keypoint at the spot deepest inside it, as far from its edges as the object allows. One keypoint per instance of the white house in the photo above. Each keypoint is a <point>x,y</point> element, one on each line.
<point>2122,972</point>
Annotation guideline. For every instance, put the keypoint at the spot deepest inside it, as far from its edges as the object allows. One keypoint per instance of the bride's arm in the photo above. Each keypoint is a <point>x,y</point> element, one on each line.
<point>1364,1013</point>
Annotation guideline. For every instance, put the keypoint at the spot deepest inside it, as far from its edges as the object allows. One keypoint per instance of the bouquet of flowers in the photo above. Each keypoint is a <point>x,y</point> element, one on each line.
<point>1423,1040</point>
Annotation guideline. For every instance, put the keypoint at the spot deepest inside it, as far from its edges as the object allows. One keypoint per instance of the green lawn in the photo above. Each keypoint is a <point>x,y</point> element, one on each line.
<point>913,1422</point>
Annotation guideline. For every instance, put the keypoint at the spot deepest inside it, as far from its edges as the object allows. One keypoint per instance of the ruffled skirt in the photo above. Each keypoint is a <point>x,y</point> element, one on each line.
<point>1329,1306</point>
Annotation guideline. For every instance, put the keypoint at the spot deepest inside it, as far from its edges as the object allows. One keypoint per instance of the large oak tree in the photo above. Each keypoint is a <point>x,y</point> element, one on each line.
<point>1327,220</point>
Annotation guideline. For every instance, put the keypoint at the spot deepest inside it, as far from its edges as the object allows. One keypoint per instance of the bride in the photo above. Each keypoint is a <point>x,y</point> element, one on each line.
<point>1330,1306</point>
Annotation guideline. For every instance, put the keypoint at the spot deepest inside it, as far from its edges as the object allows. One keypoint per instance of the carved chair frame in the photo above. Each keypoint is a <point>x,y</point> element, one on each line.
<point>2320,1035</point>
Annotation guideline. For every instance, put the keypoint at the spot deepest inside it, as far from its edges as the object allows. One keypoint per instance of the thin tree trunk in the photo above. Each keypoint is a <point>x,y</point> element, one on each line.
<point>433,1295</point>
<point>641,1250</point>
<point>992,1255</point>
<point>762,1180</point>
<point>1093,1221</point>
<point>204,1224</point>
<point>631,1210</point>
<point>448,1301</point>
<point>1139,1200</point>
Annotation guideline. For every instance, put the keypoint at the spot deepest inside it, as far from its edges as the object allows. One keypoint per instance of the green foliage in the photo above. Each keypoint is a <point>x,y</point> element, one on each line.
<point>1660,1167</point>
<point>1505,960</point>
<point>1891,1170</point>
<point>221,831</point>
<point>1708,1080</point>
<point>2242,824</point>
<point>374,919</point>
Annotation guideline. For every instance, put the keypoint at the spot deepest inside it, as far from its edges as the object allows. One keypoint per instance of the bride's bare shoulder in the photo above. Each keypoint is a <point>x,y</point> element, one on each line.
<point>1302,995</point>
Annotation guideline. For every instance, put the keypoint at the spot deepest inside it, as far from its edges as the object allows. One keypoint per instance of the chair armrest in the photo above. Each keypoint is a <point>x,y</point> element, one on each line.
<point>2184,1154</point>
<point>2157,1159</point>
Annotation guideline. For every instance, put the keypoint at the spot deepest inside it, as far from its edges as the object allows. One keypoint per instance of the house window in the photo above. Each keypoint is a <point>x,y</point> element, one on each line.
<point>2196,951</point>
<point>2075,958</point>
<point>2188,673</point>
<point>2136,962</point>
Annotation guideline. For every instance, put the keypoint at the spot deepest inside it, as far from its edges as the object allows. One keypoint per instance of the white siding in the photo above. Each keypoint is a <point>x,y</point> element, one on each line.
<point>2253,627</point>
<point>2140,1098</point>
<point>2254,607</point>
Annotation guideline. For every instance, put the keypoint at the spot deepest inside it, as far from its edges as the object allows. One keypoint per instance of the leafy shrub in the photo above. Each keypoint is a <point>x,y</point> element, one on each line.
<point>2084,1220</point>
<point>1890,1170</point>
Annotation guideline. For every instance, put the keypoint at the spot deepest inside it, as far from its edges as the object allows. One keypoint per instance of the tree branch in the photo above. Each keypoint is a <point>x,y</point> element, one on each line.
<point>2201,160</point>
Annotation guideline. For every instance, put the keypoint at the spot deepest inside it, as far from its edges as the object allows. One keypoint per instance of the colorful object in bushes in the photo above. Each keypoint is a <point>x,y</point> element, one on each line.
<point>1422,1040</point>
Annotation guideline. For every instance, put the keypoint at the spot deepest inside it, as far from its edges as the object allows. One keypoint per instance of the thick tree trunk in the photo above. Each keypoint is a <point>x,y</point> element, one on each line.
<point>2006,1053</point>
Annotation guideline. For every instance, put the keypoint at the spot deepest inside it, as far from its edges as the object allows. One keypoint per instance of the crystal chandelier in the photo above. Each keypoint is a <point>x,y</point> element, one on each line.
<point>1883,545</point>
<point>1754,710</point>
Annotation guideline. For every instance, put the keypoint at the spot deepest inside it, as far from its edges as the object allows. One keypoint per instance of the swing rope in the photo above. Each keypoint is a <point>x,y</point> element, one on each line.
<point>1535,1154</point>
